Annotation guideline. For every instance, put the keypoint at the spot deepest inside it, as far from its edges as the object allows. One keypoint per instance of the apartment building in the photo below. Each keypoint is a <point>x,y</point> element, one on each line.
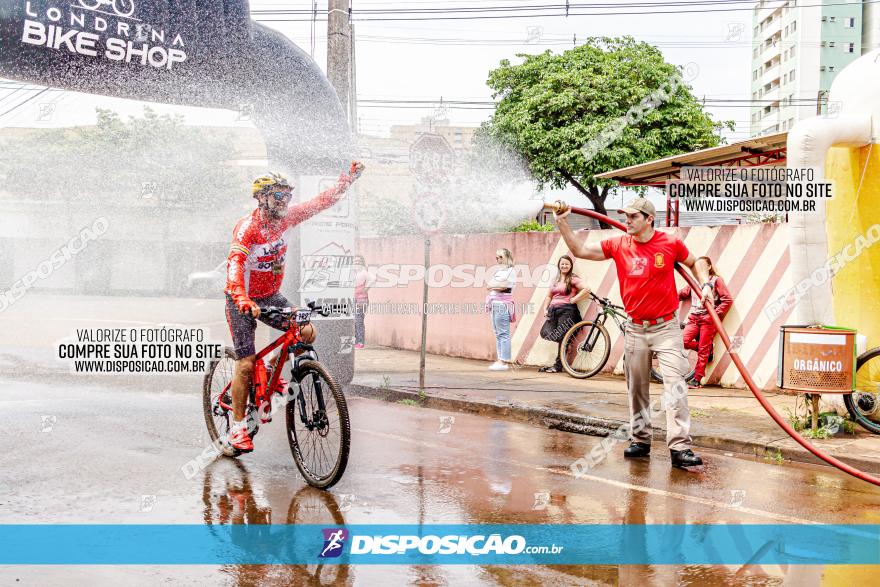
<point>797,50</point>
<point>461,138</point>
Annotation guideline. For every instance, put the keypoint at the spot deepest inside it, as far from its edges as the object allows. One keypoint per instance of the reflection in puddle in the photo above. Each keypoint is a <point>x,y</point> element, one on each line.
<point>230,497</point>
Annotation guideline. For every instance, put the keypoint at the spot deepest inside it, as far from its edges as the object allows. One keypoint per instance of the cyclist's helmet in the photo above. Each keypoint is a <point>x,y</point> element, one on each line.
<point>270,180</point>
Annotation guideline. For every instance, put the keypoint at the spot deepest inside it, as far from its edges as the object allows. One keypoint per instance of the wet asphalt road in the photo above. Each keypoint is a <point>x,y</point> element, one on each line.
<point>112,452</point>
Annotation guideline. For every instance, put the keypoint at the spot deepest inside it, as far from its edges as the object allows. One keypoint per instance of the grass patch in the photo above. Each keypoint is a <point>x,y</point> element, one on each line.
<point>775,458</point>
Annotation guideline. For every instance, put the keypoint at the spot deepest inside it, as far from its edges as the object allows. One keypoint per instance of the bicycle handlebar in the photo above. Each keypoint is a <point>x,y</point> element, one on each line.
<point>301,315</point>
<point>604,301</point>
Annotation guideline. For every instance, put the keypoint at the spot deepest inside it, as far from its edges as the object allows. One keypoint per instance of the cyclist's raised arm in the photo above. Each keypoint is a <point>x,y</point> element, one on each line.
<point>298,213</point>
<point>578,248</point>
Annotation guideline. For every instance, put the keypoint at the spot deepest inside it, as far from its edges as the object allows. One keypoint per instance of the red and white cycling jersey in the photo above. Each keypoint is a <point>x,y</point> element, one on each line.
<point>255,266</point>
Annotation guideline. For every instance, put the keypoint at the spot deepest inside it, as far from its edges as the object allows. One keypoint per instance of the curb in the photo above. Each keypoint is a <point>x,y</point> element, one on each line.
<point>593,426</point>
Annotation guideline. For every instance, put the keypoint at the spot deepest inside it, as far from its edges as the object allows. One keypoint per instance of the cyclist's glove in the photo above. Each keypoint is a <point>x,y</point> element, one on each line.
<point>246,306</point>
<point>355,172</point>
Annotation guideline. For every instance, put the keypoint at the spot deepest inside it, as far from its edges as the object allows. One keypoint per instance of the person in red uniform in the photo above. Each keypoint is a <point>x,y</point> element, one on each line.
<point>699,334</point>
<point>255,270</point>
<point>645,261</point>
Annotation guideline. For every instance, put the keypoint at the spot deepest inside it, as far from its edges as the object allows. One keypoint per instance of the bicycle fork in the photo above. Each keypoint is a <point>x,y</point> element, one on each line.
<point>593,334</point>
<point>319,418</point>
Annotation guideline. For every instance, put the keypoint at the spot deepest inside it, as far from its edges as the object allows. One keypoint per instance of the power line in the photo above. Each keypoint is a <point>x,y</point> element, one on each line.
<point>17,106</point>
<point>476,13</point>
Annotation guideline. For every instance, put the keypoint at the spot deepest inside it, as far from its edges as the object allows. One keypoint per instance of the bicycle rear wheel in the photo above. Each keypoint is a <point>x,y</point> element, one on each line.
<point>863,404</point>
<point>585,349</point>
<point>318,427</point>
<point>657,373</point>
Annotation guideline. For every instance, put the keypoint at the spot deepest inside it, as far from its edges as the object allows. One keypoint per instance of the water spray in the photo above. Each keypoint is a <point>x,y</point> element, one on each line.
<point>559,207</point>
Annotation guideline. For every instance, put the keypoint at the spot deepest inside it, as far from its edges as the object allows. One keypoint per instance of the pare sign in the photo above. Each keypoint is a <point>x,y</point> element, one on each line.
<point>109,32</point>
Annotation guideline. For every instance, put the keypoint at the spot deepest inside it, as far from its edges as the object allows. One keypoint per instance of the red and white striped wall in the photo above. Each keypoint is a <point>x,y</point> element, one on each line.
<point>753,259</point>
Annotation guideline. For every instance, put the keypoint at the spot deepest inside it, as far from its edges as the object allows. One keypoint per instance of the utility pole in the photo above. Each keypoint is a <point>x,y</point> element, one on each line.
<point>339,50</point>
<point>353,91</point>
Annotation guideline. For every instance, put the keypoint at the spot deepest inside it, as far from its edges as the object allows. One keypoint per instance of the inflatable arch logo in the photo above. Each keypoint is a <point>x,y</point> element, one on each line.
<point>89,29</point>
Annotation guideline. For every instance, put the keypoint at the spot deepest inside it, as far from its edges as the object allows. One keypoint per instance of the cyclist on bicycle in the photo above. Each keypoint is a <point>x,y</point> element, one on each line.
<point>255,270</point>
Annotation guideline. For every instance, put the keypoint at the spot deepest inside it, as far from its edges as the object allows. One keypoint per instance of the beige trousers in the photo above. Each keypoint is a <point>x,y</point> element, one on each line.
<point>665,341</point>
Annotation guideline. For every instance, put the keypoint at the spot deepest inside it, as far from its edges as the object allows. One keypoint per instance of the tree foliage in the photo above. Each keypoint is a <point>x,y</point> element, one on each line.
<point>123,160</point>
<point>606,104</point>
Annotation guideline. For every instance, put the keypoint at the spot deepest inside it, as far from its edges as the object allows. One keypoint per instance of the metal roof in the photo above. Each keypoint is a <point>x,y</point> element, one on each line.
<point>763,150</point>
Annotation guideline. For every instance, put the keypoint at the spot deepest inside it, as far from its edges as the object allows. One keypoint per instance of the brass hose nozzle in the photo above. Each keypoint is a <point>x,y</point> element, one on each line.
<point>558,207</point>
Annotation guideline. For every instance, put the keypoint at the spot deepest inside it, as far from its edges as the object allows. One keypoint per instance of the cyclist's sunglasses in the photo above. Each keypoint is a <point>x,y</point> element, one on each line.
<point>280,196</point>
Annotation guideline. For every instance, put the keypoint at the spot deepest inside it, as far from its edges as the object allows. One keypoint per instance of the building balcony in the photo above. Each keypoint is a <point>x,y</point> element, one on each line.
<point>767,52</point>
<point>771,75</point>
<point>771,29</point>
<point>770,6</point>
<point>771,96</point>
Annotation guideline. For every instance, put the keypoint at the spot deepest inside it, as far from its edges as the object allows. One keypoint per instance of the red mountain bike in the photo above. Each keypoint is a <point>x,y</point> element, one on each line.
<point>316,414</point>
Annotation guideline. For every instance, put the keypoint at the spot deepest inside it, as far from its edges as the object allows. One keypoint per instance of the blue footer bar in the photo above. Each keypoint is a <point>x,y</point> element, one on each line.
<point>483,544</point>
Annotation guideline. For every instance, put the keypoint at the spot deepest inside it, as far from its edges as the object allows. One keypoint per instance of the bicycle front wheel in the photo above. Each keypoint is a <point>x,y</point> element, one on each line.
<point>318,426</point>
<point>215,394</point>
<point>863,404</point>
<point>585,349</point>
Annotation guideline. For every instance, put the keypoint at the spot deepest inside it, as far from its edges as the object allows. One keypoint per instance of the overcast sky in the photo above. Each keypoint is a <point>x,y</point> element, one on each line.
<point>428,59</point>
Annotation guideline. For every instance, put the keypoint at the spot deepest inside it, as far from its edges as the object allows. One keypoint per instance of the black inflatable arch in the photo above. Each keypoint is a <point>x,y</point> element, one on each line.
<point>190,52</point>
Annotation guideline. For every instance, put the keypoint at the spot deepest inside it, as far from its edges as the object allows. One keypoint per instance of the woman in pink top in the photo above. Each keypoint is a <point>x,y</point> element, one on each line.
<point>562,311</point>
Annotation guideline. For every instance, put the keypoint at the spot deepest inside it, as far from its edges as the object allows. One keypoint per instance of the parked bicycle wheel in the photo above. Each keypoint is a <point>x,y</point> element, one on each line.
<point>585,349</point>
<point>217,418</point>
<point>657,373</point>
<point>318,427</point>
<point>863,404</point>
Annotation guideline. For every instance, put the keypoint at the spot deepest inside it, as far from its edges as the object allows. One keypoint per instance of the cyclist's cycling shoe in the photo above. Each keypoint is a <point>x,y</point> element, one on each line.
<point>240,439</point>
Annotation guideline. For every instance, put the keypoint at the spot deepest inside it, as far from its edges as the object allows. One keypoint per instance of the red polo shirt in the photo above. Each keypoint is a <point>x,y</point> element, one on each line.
<point>646,273</point>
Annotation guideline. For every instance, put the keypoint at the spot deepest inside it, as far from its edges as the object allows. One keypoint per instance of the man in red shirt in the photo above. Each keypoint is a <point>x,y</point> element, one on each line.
<point>255,270</point>
<point>645,260</point>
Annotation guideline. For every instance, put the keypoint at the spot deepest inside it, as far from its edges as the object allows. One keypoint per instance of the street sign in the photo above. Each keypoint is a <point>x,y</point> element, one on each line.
<point>431,158</point>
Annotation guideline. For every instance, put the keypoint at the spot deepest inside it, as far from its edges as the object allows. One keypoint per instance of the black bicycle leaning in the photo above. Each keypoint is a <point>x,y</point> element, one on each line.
<point>863,404</point>
<point>586,346</point>
<point>318,427</point>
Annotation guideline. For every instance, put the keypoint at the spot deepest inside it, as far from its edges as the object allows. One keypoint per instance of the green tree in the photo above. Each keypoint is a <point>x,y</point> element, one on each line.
<point>606,104</point>
<point>119,160</point>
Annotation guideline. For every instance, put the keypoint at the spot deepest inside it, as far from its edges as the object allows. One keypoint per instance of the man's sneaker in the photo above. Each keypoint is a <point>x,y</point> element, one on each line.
<point>685,458</point>
<point>359,345</point>
<point>498,366</point>
<point>637,449</point>
<point>694,383</point>
<point>239,439</point>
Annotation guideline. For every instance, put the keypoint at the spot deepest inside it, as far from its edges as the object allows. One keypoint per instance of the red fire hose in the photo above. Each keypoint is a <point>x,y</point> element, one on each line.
<point>747,377</point>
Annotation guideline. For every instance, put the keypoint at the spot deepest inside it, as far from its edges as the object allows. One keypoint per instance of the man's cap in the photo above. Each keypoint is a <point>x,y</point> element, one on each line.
<point>642,205</point>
